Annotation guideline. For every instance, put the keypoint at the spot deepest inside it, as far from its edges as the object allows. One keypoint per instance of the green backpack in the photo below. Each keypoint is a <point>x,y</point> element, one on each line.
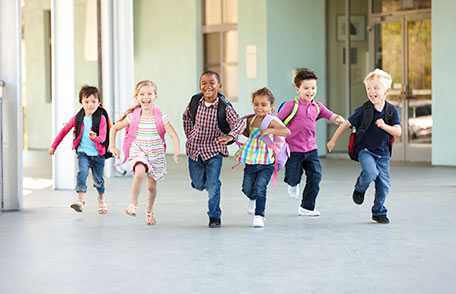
<point>293,112</point>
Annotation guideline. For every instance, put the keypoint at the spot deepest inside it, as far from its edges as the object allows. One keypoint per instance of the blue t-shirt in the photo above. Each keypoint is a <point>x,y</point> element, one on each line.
<point>86,145</point>
<point>375,139</point>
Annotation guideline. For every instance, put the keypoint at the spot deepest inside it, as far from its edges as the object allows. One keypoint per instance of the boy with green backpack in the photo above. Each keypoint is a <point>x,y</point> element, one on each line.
<point>300,115</point>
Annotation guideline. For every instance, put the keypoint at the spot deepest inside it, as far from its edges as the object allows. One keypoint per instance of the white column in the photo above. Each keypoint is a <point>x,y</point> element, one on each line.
<point>123,53</point>
<point>63,89</point>
<point>10,72</point>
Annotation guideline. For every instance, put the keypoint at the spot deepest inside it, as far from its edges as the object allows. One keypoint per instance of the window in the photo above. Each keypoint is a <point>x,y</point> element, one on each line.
<point>221,43</point>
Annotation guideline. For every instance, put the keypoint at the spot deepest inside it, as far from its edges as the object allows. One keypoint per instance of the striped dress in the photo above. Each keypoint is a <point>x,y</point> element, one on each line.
<point>148,147</point>
<point>255,150</point>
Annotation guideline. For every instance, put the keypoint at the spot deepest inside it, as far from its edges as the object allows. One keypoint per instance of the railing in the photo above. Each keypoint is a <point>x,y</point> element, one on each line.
<point>2,91</point>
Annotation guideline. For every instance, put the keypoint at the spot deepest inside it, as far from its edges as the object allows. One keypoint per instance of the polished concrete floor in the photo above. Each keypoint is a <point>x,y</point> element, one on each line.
<point>49,248</point>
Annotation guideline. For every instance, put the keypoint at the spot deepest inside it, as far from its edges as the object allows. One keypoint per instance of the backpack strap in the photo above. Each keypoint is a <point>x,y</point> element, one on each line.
<point>193,106</point>
<point>270,143</point>
<point>96,118</point>
<point>79,119</point>
<point>223,103</point>
<point>293,111</point>
<point>368,116</point>
<point>159,123</point>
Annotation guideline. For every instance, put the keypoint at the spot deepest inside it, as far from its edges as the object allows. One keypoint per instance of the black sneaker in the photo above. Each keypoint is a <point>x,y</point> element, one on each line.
<point>214,222</point>
<point>358,197</point>
<point>381,219</point>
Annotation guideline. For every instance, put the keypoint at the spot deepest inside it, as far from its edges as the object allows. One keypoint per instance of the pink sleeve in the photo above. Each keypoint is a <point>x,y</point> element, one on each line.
<point>102,131</point>
<point>63,132</point>
<point>324,112</point>
<point>286,110</point>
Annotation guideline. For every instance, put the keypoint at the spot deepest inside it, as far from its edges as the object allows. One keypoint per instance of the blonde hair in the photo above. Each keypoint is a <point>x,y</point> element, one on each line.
<point>138,87</point>
<point>382,76</point>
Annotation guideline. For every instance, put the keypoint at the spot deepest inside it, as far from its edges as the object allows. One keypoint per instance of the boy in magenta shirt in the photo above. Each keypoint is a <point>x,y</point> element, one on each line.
<point>302,140</point>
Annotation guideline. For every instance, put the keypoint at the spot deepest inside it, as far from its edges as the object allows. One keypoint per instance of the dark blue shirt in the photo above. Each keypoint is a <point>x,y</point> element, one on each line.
<point>375,139</point>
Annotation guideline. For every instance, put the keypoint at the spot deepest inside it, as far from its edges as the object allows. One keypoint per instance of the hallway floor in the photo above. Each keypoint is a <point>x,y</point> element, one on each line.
<point>49,248</point>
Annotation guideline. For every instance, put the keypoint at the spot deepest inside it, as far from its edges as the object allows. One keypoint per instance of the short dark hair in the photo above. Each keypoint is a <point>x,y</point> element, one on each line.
<point>264,92</point>
<point>304,74</point>
<point>87,91</point>
<point>211,72</point>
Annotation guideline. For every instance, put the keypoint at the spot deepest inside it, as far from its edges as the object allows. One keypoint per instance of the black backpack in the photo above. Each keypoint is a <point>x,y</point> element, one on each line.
<point>223,103</point>
<point>368,115</point>
<point>96,118</point>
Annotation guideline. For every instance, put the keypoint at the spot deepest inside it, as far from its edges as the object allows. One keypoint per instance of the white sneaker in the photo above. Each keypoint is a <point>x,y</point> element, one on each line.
<point>306,212</point>
<point>251,207</point>
<point>258,221</point>
<point>293,191</point>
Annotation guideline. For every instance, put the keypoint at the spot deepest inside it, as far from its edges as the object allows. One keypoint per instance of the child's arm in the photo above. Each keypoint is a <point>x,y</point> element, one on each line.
<point>237,125</point>
<point>172,133</point>
<point>62,133</point>
<point>113,134</point>
<point>337,118</point>
<point>340,130</point>
<point>101,133</point>
<point>395,130</point>
<point>276,128</point>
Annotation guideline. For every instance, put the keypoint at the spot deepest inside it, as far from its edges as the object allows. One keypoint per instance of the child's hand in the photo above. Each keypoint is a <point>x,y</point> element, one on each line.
<point>114,151</point>
<point>92,135</point>
<point>330,145</point>
<point>176,157</point>
<point>225,139</point>
<point>266,132</point>
<point>380,123</point>
<point>51,151</point>
<point>339,120</point>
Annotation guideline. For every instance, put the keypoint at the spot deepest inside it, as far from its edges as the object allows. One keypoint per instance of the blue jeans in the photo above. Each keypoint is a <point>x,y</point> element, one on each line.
<point>96,164</point>
<point>255,184</point>
<point>374,168</point>
<point>309,162</point>
<point>205,175</point>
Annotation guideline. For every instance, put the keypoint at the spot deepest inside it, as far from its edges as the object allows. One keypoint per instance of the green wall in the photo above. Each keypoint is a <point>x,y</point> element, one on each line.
<point>166,51</point>
<point>252,32</point>
<point>443,80</point>
<point>296,37</point>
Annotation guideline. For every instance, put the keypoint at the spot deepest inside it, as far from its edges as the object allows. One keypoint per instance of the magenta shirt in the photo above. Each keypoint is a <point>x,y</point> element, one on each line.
<point>303,126</point>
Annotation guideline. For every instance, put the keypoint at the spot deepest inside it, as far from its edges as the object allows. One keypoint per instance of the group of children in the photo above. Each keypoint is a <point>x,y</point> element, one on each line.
<point>211,123</point>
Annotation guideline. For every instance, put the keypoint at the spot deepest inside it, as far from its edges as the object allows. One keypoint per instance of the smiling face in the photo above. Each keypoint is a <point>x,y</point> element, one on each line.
<point>209,86</point>
<point>376,91</point>
<point>307,90</point>
<point>262,105</point>
<point>146,96</point>
<point>90,104</point>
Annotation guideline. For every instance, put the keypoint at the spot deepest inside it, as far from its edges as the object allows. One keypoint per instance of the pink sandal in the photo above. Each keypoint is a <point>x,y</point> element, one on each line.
<point>150,220</point>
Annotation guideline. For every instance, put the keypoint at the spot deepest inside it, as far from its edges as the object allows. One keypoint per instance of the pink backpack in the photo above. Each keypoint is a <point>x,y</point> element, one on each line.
<point>278,145</point>
<point>130,134</point>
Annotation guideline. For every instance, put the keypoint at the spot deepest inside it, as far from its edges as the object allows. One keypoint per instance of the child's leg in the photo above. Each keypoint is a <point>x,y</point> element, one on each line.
<point>152,190</point>
<point>213,169</point>
<point>138,177</point>
<point>369,171</point>
<point>313,178</point>
<point>97,166</point>
<point>81,179</point>
<point>197,170</point>
<point>261,185</point>
<point>382,187</point>
<point>293,169</point>
<point>248,181</point>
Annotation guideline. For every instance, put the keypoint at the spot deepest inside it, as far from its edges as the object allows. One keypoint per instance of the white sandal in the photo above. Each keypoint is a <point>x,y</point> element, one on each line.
<point>131,210</point>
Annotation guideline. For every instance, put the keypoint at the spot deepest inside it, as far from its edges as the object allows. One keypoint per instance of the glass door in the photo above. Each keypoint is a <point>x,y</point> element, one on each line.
<point>401,45</point>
